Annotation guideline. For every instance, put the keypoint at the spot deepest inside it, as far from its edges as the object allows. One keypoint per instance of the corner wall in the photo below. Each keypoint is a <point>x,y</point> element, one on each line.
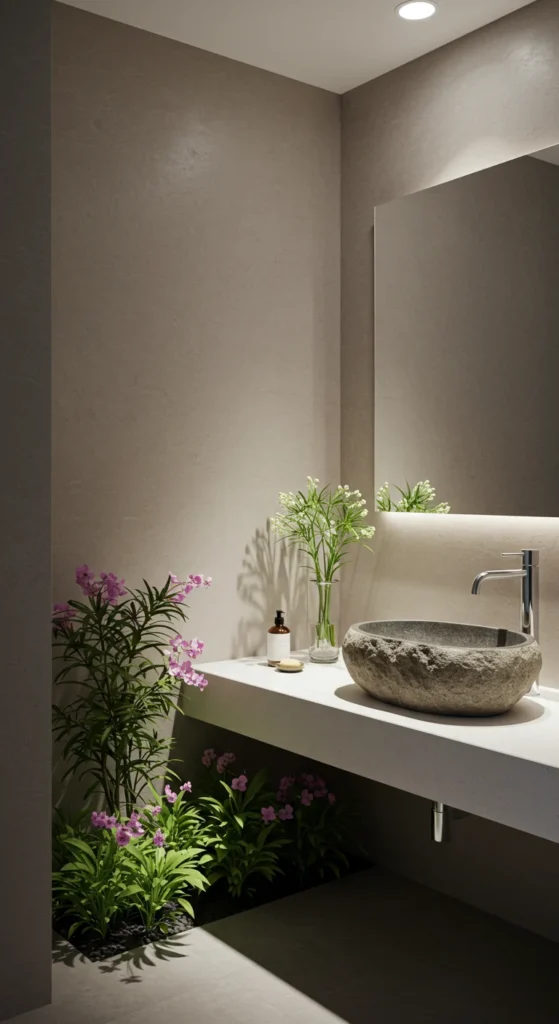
<point>486,98</point>
<point>25,674</point>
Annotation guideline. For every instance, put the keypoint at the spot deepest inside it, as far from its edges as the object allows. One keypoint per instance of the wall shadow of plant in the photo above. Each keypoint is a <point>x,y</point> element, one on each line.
<point>272,577</point>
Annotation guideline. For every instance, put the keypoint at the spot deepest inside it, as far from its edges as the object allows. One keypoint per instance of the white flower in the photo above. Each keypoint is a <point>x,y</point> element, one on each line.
<point>279,525</point>
<point>367,531</point>
<point>288,500</point>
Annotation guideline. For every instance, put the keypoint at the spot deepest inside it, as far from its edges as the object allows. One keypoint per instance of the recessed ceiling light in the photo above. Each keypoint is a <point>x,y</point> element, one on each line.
<point>417,10</point>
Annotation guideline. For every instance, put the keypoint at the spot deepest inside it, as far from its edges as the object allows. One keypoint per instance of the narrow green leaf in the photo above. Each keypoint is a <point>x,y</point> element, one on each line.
<point>185,906</point>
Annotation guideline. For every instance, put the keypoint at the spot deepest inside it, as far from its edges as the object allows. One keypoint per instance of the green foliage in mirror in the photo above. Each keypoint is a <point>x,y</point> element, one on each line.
<point>418,498</point>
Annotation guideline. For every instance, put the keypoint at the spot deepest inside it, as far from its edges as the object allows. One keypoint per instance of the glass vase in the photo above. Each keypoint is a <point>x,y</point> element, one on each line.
<point>323,642</point>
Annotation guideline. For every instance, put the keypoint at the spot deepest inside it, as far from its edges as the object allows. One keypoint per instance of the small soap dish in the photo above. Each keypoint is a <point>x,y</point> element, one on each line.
<point>290,665</point>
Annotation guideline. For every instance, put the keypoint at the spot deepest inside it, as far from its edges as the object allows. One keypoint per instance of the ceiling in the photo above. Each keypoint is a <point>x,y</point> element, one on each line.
<point>335,44</point>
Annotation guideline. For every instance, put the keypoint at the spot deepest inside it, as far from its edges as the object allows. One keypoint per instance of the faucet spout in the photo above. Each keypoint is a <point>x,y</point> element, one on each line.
<point>495,574</point>
<point>529,591</point>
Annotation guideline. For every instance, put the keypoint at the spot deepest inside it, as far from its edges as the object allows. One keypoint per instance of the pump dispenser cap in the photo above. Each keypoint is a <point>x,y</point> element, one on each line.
<point>279,620</point>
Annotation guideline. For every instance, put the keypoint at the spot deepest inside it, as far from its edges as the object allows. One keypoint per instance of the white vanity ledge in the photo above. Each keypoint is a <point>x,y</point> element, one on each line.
<point>505,769</point>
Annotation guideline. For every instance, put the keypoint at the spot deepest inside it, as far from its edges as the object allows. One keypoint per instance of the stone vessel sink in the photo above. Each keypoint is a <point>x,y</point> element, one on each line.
<point>444,668</point>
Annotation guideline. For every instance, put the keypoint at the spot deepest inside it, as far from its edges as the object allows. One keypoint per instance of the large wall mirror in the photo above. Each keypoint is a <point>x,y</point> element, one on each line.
<point>467,339</point>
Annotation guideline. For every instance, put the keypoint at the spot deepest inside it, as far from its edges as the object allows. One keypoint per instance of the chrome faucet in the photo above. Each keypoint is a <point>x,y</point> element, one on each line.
<point>529,595</point>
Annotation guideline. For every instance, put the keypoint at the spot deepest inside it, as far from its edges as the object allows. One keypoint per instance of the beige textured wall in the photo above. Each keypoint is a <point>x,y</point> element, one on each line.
<point>466,329</point>
<point>489,97</point>
<point>25,745</point>
<point>196,315</point>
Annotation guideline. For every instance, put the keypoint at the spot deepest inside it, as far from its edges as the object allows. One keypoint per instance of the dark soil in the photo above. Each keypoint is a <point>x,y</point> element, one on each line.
<point>127,935</point>
<point>213,905</point>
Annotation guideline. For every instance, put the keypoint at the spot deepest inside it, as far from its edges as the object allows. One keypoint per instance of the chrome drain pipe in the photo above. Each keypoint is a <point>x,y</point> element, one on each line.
<point>441,817</point>
<point>439,822</point>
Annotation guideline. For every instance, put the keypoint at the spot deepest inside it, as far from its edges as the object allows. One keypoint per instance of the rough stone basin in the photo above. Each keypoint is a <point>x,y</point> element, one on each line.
<point>445,668</point>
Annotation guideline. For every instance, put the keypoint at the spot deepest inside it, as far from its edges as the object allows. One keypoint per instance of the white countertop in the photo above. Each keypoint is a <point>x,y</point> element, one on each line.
<point>504,768</point>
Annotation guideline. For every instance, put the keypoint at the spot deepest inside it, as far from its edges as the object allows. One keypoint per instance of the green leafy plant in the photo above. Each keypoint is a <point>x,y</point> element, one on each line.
<point>323,524</point>
<point>242,841</point>
<point>113,868</point>
<point>122,866</point>
<point>181,822</point>
<point>157,877</point>
<point>120,649</point>
<point>418,498</point>
<point>92,887</point>
<point>316,827</point>
<point>64,826</point>
<point>252,830</point>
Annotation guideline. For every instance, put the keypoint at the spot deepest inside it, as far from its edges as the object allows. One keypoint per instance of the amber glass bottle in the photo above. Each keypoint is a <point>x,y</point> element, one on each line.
<point>279,641</point>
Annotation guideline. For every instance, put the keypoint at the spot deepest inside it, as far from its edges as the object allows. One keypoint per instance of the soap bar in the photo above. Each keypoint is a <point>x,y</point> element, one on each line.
<point>290,665</point>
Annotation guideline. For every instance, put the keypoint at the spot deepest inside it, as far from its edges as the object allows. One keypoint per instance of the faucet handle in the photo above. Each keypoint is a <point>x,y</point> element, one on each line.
<point>530,557</point>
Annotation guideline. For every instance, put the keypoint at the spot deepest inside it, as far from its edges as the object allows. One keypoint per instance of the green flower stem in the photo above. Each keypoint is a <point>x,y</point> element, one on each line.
<point>324,627</point>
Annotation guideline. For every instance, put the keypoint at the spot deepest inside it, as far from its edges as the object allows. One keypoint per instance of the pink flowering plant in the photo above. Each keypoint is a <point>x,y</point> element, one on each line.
<point>126,663</point>
<point>254,830</point>
<point>240,845</point>
<point>121,866</point>
<point>177,818</point>
<point>113,868</point>
<point>317,827</point>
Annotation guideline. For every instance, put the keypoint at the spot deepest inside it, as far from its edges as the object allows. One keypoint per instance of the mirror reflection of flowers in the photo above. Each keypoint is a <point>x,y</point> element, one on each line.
<point>418,498</point>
